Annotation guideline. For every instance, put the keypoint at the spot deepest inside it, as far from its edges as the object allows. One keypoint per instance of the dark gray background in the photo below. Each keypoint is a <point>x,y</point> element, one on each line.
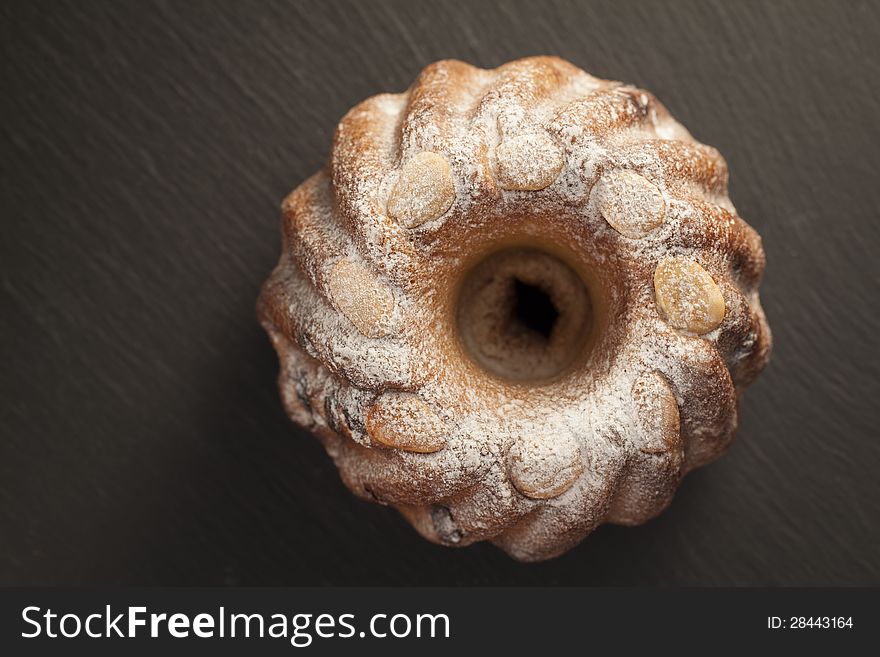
<point>145,150</point>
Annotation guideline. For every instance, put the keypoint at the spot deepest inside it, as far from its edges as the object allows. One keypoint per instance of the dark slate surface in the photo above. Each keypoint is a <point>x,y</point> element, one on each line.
<point>145,149</point>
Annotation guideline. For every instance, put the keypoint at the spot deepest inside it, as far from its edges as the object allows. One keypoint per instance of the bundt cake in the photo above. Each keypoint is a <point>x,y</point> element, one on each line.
<point>518,303</point>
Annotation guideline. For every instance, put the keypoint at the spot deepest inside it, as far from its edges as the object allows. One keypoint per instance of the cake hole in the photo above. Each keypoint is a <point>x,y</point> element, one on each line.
<point>534,309</point>
<point>523,314</point>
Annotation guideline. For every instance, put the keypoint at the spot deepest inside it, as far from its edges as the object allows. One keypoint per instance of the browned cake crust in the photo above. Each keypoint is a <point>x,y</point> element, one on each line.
<point>518,303</point>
